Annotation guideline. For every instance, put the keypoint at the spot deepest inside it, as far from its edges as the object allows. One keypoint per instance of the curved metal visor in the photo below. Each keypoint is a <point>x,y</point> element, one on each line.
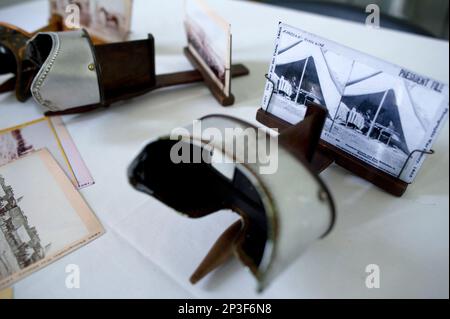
<point>282,211</point>
<point>13,42</point>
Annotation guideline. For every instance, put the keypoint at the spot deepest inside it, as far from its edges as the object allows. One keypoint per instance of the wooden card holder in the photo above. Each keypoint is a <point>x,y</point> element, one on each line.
<point>327,154</point>
<point>216,91</point>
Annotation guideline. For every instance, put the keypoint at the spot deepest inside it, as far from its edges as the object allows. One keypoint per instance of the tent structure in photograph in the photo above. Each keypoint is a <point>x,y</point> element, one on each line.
<point>387,101</point>
<point>311,72</point>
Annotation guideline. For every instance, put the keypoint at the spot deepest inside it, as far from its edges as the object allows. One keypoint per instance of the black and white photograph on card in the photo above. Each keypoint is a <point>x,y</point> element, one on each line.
<point>209,41</point>
<point>112,19</point>
<point>305,72</point>
<point>42,216</point>
<point>83,7</point>
<point>45,133</point>
<point>377,116</point>
<point>379,113</point>
<point>20,243</point>
<point>109,20</point>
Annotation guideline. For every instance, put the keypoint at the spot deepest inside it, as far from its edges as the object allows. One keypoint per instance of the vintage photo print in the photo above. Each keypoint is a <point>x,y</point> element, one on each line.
<point>42,216</point>
<point>109,20</point>
<point>61,8</point>
<point>209,41</point>
<point>302,71</point>
<point>112,19</point>
<point>50,134</point>
<point>378,112</point>
<point>379,121</point>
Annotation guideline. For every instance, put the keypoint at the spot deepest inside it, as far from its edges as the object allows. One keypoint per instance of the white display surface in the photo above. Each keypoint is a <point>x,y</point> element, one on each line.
<point>407,238</point>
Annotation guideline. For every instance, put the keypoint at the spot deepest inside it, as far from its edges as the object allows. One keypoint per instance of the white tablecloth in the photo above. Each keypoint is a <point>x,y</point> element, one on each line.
<point>408,237</point>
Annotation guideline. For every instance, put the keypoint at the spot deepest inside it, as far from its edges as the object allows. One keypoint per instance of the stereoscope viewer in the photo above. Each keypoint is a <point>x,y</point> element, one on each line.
<point>66,73</point>
<point>281,213</point>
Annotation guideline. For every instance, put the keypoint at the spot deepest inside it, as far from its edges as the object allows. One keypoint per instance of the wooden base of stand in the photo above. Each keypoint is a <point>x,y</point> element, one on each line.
<point>328,154</point>
<point>216,91</point>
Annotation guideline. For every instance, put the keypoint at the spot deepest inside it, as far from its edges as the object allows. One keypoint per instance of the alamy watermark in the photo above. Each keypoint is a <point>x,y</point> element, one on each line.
<point>228,146</point>
<point>373,280</point>
<point>73,278</point>
<point>72,20</point>
<point>373,19</point>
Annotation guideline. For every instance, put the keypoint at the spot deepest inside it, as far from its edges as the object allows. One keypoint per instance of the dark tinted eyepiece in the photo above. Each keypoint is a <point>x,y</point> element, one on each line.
<point>200,189</point>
